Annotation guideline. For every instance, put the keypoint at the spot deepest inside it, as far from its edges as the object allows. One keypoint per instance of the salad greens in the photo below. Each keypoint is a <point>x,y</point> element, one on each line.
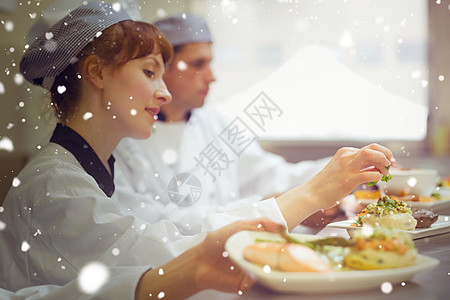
<point>384,178</point>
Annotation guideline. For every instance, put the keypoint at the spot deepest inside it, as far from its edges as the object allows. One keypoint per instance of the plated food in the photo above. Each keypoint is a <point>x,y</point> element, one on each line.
<point>396,214</point>
<point>378,248</point>
<point>387,212</point>
<point>340,280</point>
<point>424,217</point>
<point>287,257</point>
<point>381,249</point>
<point>442,225</point>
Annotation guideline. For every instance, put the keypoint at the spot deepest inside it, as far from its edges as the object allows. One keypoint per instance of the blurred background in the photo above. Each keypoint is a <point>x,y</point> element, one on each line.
<point>341,72</point>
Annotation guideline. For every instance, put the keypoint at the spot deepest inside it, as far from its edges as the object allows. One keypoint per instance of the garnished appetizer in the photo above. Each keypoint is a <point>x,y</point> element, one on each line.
<point>381,248</point>
<point>387,212</point>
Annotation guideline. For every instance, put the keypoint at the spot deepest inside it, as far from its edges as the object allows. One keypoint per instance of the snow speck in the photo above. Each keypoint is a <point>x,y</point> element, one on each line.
<point>16,182</point>
<point>441,77</point>
<point>161,271</point>
<point>133,112</point>
<point>9,26</point>
<point>48,35</point>
<point>18,79</point>
<point>87,115</point>
<point>61,89</point>
<point>183,16</point>
<point>386,287</point>
<point>92,277</point>
<point>9,126</point>
<point>367,230</point>
<point>116,6</point>
<point>32,15</point>
<point>143,226</point>
<point>182,66</point>
<point>424,83</point>
<point>415,74</point>
<point>169,156</point>
<point>25,246</point>
<point>346,40</point>
<point>161,13</point>
<point>240,293</point>
<point>6,144</point>
<point>267,269</point>
<point>412,181</point>
<point>115,251</point>
<point>2,225</point>
<point>379,20</point>
<point>2,209</point>
<point>98,34</point>
<point>2,88</point>
<point>50,45</point>
<point>161,295</point>
<point>225,254</point>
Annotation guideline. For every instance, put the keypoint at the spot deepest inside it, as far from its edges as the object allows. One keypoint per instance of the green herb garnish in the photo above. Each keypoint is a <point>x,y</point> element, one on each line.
<point>384,178</point>
<point>436,195</point>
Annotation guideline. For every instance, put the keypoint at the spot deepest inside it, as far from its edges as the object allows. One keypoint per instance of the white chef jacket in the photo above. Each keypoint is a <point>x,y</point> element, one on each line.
<point>146,170</point>
<point>121,286</point>
<point>61,214</point>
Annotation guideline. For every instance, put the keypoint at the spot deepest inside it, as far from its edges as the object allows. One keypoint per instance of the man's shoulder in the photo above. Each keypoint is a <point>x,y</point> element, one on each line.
<point>210,113</point>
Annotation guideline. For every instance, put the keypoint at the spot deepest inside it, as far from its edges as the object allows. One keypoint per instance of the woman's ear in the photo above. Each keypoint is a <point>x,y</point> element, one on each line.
<point>94,71</point>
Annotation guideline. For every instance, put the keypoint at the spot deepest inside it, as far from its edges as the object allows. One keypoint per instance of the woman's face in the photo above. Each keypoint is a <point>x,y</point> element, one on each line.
<point>133,95</point>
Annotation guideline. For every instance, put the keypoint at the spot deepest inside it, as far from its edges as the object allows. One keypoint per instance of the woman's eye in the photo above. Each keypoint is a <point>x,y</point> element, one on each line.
<point>149,73</point>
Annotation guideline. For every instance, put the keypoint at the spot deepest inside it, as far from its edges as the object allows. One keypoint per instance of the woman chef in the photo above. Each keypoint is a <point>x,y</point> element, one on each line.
<point>104,73</point>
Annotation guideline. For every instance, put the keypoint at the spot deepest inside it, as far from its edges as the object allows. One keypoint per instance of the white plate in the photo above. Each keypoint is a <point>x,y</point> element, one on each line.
<point>442,225</point>
<point>305,282</point>
<point>438,205</point>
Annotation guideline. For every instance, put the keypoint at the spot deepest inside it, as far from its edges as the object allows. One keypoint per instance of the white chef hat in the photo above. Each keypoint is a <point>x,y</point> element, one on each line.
<point>55,49</point>
<point>184,29</point>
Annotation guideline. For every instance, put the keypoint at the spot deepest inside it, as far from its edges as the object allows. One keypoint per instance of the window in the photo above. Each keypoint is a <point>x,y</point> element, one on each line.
<point>339,70</point>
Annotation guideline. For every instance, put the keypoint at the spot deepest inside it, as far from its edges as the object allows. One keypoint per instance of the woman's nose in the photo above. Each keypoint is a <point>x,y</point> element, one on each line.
<point>162,93</point>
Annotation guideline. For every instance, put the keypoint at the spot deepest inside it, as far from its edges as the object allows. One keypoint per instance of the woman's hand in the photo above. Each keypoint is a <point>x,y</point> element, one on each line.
<point>205,266</point>
<point>215,270</point>
<point>348,168</point>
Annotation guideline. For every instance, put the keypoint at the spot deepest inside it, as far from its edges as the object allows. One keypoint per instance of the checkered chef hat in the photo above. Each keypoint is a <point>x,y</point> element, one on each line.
<point>54,50</point>
<point>184,29</point>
